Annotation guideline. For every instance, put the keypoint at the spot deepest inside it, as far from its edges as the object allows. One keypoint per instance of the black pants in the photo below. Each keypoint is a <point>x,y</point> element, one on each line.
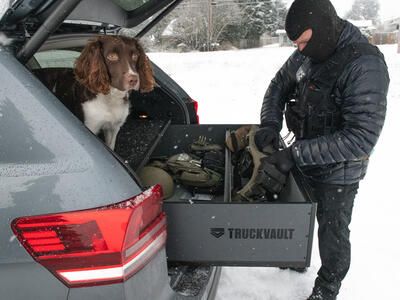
<point>335,206</point>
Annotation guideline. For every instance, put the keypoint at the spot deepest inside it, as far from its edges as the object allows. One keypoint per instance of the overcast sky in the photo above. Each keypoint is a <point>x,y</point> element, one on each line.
<point>389,8</point>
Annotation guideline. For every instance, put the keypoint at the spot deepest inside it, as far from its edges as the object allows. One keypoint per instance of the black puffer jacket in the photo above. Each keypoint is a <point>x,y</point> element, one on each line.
<point>360,92</point>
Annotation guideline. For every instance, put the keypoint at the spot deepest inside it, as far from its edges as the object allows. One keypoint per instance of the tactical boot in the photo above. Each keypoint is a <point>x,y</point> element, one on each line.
<point>321,293</point>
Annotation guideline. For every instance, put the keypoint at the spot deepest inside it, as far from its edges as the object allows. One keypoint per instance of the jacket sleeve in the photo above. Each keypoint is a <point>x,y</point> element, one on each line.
<point>279,91</point>
<point>363,88</point>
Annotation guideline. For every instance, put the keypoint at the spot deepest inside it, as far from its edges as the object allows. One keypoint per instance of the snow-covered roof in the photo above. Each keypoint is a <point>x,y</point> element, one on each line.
<point>362,23</point>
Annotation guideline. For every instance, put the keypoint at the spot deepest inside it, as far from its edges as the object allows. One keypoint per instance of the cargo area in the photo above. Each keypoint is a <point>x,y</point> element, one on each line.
<point>213,228</point>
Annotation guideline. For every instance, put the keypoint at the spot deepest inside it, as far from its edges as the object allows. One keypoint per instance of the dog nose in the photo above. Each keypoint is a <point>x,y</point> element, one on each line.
<point>132,79</point>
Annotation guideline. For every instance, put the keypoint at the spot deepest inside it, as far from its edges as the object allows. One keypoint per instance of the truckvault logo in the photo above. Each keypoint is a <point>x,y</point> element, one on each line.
<point>217,232</point>
<point>255,233</point>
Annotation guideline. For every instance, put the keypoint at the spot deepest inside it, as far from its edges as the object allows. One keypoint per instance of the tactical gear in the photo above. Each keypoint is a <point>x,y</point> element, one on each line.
<point>321,17</point>
<point>202,170</point>
<point>211,155</point>
<point>266,136</point>
<point>214,160</point>
<point>269,178</point>
<point>201,147</point>
<point>189,171</point>
<point>237,140</point>
<point>314,112</point>
<point>150,176</point>
<point>251,165</point>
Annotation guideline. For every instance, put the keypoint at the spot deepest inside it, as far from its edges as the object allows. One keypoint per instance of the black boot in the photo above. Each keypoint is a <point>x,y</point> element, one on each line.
<point>320,293</point>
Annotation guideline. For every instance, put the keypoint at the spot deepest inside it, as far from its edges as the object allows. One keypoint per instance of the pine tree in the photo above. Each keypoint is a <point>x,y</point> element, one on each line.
<point>364,10</point>
<point>279,13</point>
<point>258,18</point>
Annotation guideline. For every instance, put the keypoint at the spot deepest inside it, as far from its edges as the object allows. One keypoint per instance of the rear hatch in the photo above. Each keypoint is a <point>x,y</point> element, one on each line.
<point>31,22</point>
<point>122,13</point>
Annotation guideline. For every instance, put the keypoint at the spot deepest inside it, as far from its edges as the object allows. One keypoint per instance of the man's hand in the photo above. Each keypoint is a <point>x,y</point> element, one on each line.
<point>266,136</point>
<point>282,160</point>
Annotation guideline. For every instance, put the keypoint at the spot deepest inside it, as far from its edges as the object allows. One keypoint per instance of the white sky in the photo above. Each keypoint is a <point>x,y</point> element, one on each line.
<point>388,8</point>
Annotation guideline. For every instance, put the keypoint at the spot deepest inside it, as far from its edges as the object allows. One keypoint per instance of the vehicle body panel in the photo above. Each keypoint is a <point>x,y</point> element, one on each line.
<point>50,162</point>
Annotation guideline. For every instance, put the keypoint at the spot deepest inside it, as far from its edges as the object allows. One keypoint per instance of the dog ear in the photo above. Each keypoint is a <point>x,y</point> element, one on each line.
<point>145,71</point>
<point>91,70</point>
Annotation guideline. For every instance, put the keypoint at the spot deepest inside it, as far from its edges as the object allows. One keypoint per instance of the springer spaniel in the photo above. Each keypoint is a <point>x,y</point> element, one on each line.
<point>108,68</point>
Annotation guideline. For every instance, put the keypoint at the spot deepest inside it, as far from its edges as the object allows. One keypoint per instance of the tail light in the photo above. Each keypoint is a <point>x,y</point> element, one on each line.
<point>97,246</point>
<point>196,108</point>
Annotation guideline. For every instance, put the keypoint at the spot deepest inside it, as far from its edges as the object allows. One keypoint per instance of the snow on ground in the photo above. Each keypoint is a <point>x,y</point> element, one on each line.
<point>230,87</point>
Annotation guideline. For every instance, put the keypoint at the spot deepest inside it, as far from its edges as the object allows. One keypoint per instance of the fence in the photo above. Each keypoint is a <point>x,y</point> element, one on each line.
<point>380,38</point>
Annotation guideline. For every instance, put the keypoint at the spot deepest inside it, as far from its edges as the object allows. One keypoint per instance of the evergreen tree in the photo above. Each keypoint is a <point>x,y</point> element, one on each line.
<point>231,20</point>
<point>364,10</point>
<point>279,13</point>
<point>257,18</point>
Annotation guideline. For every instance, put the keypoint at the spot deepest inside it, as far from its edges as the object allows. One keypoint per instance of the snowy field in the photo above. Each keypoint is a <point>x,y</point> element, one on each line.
<point>229,87</point>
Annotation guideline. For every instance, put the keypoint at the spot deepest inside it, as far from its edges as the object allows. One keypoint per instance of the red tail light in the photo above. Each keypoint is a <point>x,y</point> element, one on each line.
<point>97,246</point>
<point>196,108</point>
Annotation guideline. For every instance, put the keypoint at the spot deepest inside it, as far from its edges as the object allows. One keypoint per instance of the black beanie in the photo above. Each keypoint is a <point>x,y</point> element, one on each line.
<point>321,17</point>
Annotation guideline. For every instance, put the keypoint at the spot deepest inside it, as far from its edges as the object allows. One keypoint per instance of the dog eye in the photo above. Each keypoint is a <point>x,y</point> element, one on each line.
<point>113,56</point>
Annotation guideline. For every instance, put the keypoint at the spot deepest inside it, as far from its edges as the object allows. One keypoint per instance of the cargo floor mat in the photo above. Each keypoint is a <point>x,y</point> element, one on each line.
<point>137,139</point>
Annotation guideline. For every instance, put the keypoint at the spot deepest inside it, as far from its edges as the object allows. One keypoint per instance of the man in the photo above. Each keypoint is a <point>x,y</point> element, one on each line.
<point>333,92</point>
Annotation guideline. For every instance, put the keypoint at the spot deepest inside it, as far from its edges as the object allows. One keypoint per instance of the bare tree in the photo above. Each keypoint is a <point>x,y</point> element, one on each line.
<point>202,24</point>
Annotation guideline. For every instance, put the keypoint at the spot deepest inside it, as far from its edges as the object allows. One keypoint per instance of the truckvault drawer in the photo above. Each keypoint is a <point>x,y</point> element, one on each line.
<point>216,231</point>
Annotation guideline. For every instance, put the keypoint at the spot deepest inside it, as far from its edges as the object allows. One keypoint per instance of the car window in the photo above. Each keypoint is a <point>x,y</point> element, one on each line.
<point>56,58</point>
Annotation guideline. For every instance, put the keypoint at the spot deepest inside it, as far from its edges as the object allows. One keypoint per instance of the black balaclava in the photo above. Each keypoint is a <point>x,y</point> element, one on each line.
<point>321,17</point>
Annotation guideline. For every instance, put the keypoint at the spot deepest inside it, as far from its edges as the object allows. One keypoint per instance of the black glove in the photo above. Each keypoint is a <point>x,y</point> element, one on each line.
<point>214,160</point>
<point>269,178</point>
<point>266,136</point>
<point>283,160</point>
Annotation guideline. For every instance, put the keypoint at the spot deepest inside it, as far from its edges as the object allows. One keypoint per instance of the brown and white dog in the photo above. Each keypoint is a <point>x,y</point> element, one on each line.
<point>108,68</point>
<point>97,89</point>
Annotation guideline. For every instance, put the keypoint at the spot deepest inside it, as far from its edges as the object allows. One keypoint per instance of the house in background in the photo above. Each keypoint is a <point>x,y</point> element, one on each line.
<point>388,32</point>
<point>283,39</point>
<point>363,24</point>
<point>391,24</point>
<point>367,27</point>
